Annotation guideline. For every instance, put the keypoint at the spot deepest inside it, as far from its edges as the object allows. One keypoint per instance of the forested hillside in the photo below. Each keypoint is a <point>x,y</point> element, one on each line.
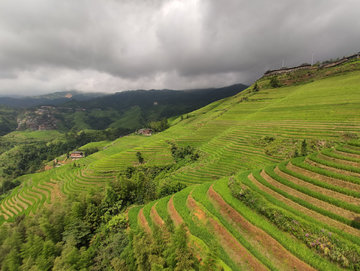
<point>8,121</point>
<point>267,179</point>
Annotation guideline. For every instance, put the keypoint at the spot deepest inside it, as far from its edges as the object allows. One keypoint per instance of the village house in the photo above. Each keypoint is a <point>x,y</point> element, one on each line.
<point>77,155</point>
<point>147,132</point>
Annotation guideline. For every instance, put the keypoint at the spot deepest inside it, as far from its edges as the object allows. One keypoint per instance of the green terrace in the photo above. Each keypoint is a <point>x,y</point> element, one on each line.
<point>317,197</point>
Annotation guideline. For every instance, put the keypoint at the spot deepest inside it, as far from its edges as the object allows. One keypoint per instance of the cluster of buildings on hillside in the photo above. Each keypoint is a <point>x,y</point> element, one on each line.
<point>307,66</point>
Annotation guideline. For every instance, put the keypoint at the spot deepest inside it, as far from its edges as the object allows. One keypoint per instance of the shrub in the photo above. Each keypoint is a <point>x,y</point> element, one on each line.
<point>274,82</point>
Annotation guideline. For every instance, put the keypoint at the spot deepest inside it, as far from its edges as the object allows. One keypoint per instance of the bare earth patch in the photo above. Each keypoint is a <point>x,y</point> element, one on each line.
<point>155,217</point>
<point>143,222</point>
<point>282,256</point>
<point>173,213</point>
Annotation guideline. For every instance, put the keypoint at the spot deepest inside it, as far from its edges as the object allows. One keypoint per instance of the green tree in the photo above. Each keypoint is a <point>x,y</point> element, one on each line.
<point>274,82</point>
<point>304,150</point>
<point>139,157</point>
<point>211,261</point>
<point>256,87</point>
<point>142,243</point>
<point>185,259</point>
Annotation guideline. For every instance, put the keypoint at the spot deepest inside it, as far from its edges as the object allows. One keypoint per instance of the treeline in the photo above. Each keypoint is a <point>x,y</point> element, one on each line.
<point>159,126</point>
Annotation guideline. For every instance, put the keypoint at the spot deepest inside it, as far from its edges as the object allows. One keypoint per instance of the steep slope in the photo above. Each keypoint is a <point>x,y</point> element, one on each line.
<point>297,215</point>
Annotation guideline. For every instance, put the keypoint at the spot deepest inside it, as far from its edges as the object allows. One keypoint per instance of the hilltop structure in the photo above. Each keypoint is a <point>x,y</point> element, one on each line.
<point>306,66</point>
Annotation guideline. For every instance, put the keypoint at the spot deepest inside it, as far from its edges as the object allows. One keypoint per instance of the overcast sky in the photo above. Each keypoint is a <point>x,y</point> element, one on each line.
<point>111,46</point>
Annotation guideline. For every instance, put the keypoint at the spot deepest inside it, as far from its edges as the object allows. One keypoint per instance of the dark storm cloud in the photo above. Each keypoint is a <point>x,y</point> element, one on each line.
<point>105,45</point>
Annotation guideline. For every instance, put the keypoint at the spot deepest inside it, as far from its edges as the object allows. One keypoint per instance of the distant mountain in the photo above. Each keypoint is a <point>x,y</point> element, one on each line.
<point>151,99</point>
<point>128,110</point>
<point>56,98</point>
<point>134,109</point>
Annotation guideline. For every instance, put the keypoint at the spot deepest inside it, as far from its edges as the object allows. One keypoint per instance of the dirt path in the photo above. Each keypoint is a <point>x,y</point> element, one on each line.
<point>327,192</point>
<point>283,258</point>
<point>173,213</point>
<point>155,217</point>
<point>323,178</point>
<point>338,161</point>
<point>316,202</point>
<point>340,171</point>
<point>304,210</point>
<point>231,245</point>
<point>143,222</point>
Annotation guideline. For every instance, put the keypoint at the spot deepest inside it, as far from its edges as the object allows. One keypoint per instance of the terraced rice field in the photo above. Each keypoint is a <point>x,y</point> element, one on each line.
<point>325,195</point>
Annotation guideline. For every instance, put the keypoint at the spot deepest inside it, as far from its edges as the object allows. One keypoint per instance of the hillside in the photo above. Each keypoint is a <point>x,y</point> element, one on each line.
<point>7,119</point>
<point>279,214</point>
<point>130,110</point>
<point>134,109</point>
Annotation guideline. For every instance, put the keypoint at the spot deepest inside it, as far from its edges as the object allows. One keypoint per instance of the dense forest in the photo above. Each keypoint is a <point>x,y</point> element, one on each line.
<point>7,119</point>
